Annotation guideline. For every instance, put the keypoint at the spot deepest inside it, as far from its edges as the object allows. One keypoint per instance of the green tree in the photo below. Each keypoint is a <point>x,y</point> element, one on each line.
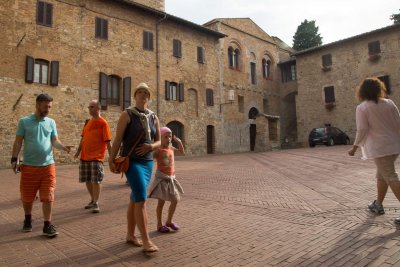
<point>395,18</point>
<point>306,36</point>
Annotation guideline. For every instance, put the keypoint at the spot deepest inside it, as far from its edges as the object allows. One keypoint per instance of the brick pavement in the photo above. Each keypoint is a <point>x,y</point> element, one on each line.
<point>300,207</point>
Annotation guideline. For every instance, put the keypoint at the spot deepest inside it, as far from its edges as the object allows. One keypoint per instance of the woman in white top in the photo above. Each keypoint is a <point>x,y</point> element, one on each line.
<point>378,135</point>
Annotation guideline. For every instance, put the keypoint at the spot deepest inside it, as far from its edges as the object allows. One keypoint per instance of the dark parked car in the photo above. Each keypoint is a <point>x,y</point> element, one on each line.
<point>327,136</point>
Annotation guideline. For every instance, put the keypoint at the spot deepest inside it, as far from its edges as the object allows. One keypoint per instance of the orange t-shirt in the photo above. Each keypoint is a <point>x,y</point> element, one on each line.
<point>165,160</point>
<point>95,134</point>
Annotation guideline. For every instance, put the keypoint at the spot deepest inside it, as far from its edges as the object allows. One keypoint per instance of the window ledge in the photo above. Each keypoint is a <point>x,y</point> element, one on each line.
<point>374,57</point>
<point>326,68</point>
<point>330,105</point>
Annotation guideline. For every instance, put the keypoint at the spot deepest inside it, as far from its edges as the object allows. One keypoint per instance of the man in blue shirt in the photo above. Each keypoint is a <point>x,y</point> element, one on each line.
<point>38,134</point>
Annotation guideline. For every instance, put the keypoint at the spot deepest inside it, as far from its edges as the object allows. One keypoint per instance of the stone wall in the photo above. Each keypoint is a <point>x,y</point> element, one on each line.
<point>350,65</point>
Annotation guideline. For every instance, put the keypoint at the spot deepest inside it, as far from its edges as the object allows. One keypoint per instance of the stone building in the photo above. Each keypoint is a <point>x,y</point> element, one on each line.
<point>78,50</point>
<point>249,71</point>
<point>328,75</point>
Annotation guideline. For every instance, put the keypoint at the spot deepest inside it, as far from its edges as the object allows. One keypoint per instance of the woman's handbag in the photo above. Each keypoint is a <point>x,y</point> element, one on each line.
<point>122,163</point>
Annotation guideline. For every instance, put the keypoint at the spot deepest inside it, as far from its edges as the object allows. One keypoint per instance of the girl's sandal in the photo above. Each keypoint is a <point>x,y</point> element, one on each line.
<point>135,241</point>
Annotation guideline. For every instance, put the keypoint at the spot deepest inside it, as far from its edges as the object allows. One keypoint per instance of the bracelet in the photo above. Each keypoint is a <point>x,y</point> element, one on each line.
<point>14,159</point>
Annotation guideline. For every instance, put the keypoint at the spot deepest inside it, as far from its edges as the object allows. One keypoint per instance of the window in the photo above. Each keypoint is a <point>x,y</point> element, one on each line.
<point>110,91</point>
<point>230,57</point>
<point>44,13</point>
<point>101,28</point>
<point>200,54</point>
<point>241,103</point>
<point>177,48</point>
<point>148,41</point>
<point>113,88</point>
<point>41,71</point>
<point>266,68</point>
<point>327,60</point>
<point>288,71</point>
<point>386,81</point>
<point>209,97</point>
<point>253,73</point>
<point>174,91</point>
<point>374,48</point>
<point>265,105</point>
<point>233,58</point>
<point>293,72</point>
<point>329,93</point>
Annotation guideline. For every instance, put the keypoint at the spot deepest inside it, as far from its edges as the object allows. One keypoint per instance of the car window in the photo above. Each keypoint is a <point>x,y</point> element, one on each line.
<point>320,130</point>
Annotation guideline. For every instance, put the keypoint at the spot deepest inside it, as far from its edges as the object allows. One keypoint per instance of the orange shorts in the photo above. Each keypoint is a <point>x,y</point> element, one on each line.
<point>34,178</point>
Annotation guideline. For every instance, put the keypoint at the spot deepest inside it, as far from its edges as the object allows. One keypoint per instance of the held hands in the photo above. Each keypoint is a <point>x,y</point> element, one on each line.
<point>111,165</point>
<point>67,148</point>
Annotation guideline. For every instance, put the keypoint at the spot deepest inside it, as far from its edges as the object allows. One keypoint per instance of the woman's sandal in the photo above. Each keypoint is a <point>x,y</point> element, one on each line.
<point>135,241</point>
<point>150,249</point>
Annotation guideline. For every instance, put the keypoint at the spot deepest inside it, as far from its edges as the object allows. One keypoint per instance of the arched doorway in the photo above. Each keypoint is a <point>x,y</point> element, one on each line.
<point>177,129</point>
<point>253,112</point>
<point>210,139</point>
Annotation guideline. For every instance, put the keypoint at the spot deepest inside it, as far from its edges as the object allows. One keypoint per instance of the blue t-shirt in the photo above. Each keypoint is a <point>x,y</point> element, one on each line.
<point>37,134</point>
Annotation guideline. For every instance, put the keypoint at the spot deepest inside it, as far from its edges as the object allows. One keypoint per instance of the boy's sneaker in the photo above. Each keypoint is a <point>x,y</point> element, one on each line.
<point>50,230</point>
<point>96,208</point>
<point>374,207</point>
<point>27,226</point>
<point>397,220</point>
<point>90,205</point>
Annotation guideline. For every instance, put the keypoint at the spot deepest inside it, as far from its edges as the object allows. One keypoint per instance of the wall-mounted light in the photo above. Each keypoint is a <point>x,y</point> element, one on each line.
<point>231,98</point>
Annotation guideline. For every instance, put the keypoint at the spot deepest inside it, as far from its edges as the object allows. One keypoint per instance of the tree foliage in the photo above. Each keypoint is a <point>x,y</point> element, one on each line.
<point>395,18</point>
<point>306,36</point>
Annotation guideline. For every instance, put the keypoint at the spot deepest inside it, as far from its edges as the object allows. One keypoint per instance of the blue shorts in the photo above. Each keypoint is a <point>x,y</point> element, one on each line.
<point>139,175</point>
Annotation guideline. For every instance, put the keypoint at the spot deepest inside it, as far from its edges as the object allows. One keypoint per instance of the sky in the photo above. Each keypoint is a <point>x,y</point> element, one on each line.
<point>336,19</point>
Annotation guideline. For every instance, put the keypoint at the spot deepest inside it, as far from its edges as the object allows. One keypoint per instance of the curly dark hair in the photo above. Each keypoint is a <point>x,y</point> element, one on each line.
<point>44,98</point>
<point>371,89</point>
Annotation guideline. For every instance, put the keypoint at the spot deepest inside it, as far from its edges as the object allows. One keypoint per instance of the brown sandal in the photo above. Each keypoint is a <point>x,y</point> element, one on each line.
<point>150,249</point>
<point>135,241</point>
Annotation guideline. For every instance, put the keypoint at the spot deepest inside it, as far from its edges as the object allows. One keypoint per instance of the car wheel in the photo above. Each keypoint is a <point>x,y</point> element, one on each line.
<point>347,141</point>
<point>312,145</point>
<point>331,142</point>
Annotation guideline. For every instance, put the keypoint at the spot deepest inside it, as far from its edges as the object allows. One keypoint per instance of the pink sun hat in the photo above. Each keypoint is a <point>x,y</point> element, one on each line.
<point>164,130</point>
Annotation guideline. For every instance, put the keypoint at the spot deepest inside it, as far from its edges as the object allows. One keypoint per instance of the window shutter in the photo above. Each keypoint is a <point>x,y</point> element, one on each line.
<point>175,51</point>
<point>98,27</point>
<point>145,40</point>
<point>181,92</point>
<point>103,90</point>
<point>329,94</point>
<point>211,98</point>
<point>30,64</point>
<point>49,14</point>
<point>126,93</point>
<point>200,54</point>
<point>151,41</point>
<point>40,13</point>
<point>105,29</point>
<point>167,93</point>
<point>54,66</point>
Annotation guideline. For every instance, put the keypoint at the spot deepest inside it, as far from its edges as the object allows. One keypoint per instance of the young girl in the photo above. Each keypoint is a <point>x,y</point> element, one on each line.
<point>164,186</point>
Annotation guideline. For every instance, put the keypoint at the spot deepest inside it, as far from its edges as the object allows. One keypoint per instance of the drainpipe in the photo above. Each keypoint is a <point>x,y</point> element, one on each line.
<point>158,65</point>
